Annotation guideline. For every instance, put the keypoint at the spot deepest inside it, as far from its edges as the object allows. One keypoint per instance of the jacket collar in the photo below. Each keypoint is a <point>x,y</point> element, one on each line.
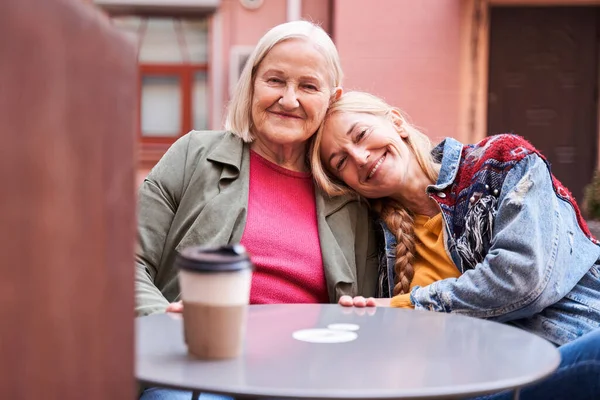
<point>228,151</point>
<point>330,205</point>
<point>449,153</point>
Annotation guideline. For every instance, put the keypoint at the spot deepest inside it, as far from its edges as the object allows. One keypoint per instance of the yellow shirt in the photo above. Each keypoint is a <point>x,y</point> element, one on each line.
<point>431,260</point>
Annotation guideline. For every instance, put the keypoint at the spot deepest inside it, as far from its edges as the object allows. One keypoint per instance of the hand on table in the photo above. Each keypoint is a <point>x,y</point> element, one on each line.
<point>176,307</point>
<point>360,301</point>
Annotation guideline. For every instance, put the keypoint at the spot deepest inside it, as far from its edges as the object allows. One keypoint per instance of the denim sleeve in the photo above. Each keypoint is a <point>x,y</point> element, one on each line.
<point>513,280</point>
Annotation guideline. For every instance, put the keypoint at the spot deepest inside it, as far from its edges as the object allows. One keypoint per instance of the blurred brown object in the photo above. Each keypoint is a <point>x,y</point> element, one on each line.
<point>68,84</point>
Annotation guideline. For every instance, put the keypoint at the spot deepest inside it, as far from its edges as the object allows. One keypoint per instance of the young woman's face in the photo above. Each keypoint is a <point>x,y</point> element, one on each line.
<point>367,152</point>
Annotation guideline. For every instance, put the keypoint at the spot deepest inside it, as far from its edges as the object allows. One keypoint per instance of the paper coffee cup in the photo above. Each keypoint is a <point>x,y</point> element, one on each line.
<point>215,289</point>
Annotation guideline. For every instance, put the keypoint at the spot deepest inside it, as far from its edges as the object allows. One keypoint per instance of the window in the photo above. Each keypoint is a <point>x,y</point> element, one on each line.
<point>173,60</point>
<point>239,56</point>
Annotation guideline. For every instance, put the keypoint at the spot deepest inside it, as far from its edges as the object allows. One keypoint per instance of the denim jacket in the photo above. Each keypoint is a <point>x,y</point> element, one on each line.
<point>516,235</point>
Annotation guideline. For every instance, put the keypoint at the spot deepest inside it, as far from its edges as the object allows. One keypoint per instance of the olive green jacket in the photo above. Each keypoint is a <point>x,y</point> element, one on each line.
<point>198,194</point>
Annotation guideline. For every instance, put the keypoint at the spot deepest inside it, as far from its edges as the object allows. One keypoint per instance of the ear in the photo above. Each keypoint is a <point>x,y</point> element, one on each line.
<point>337,93</point>
<point>398,121</point>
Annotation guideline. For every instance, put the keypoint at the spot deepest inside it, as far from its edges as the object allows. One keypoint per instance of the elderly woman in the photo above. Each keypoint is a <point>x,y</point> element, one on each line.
<point>483,230</point>
<point>252,184</point>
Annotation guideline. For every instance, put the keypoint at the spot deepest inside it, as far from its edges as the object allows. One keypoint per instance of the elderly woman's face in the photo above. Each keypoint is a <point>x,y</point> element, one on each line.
<point>292,89</point>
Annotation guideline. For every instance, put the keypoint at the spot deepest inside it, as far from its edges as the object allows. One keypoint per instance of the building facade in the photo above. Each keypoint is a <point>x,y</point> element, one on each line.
<point>459,68</point>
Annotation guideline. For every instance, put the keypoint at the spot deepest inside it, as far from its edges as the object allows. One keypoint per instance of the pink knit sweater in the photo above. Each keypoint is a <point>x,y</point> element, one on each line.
<point>282,237</point>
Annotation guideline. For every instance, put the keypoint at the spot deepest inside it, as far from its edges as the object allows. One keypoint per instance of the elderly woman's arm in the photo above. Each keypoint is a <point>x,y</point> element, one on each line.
<point>157,204</point>
<point>529,266</point>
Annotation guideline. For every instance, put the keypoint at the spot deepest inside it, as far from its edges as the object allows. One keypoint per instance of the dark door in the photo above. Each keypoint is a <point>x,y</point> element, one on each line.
<point>542,85</point>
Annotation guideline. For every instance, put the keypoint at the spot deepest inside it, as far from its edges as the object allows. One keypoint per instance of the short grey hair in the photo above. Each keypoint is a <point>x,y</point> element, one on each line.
<point>239,113</point>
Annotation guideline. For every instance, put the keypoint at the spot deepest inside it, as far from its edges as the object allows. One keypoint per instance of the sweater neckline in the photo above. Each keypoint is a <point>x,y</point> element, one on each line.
<point>277,168</point>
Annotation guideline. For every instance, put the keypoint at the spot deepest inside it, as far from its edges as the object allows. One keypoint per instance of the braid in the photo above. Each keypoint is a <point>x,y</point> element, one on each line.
<point>400,222</point>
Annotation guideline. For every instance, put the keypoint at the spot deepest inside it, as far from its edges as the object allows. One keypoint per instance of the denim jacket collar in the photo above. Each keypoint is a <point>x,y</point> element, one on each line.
<point>448,152</point>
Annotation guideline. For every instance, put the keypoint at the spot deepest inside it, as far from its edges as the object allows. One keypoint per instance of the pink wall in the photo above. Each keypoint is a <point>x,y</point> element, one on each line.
<point>407,52</point>
<point>316,11</point>
<point>247,26</point>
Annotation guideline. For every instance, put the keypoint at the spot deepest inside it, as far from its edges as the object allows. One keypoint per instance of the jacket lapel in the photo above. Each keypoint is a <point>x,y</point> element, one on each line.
<point>234,156</point>
<point>223,218</point>
<point>336,234</point>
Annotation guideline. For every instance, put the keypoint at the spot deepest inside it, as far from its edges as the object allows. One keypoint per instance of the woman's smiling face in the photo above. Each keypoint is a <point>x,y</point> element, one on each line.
<point>367,152</point>
<point>292,89</point>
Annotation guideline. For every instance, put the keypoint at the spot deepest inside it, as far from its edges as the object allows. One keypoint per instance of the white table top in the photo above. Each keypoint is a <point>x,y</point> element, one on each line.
<point>396,354</point>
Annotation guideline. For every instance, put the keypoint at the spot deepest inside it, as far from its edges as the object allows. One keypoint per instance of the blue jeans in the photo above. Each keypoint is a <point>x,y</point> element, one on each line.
<point>156,393</point>
<point>577,377</point>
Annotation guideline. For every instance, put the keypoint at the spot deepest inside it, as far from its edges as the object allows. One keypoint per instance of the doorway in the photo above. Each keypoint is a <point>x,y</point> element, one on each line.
<point>543,79</point>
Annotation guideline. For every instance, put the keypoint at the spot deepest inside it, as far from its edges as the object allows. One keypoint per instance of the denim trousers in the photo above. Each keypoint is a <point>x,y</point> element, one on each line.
<point>577,378</point>
<point>156,393</point>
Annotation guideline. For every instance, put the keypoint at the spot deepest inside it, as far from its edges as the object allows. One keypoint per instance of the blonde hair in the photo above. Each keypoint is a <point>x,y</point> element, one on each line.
<point>239,113</point>
<point>398,219</point>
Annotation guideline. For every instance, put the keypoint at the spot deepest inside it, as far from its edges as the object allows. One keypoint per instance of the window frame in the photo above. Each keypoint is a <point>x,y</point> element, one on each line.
<point>185,72</point>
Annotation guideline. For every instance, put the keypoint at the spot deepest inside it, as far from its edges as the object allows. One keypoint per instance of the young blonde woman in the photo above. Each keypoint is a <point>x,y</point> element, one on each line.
<point>483,230</point>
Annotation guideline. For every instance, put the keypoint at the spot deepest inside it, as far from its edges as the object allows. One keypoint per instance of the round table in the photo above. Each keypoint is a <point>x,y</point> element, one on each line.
<point>394,354</point>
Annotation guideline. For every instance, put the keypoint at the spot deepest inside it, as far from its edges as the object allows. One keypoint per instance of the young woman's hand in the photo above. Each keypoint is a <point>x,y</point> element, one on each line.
<point>360,301</point>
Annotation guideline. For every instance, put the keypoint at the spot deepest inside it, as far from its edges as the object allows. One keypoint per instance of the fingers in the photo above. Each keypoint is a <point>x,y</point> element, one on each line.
<point>346,301</point>
<point>175,307</point>
<point>358,301</point>
<point>371,302</point>
<point>360,311</point>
